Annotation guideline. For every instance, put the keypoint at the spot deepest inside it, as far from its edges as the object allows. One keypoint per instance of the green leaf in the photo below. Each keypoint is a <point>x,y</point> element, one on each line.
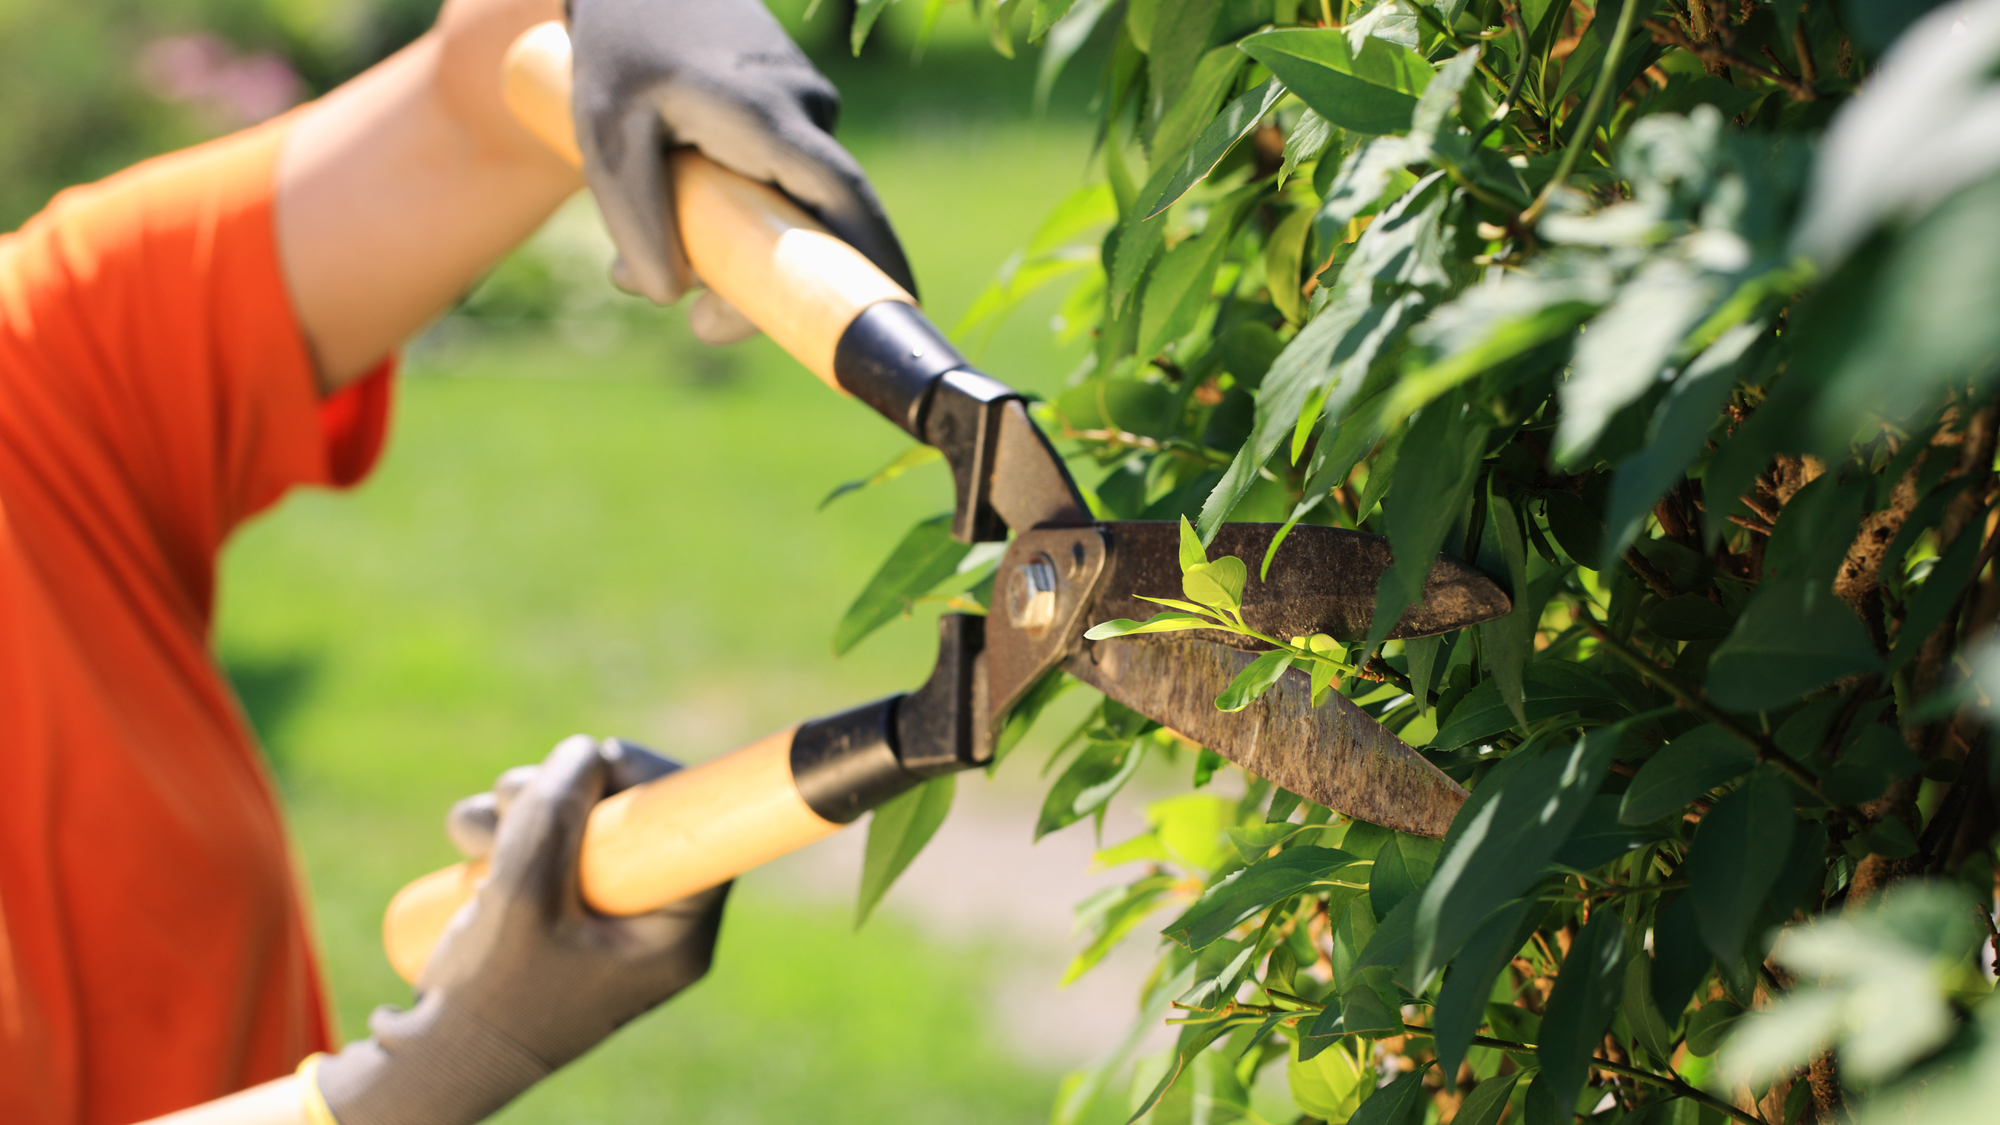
<point>1194,1039</point>
<point>1793,637</point>
<point>1428,498</point>
<point>1192,551</point>
<point>865,14</point>
<point>1511,826</point>
<point>1399,1103</point>
<point>1551,688</point>
<point>1509,643</point>
<point>1422,653</point>
<point>1934,600</point>
<point>1254,841</point>
<point>1679,427</point>
<point>1362,1011</point>
<point>1580,1008</point>
<point>1711,1025</point>
<point>1689,617</point>
<point>1180,35</point>
<point>1179,287</point>
<point>1021,717</point>
<point>1539,1106</point>
<point>1158,623</point>
<point>1627,345</point>
<point>1308,139</point>
<point>897,831</point>
<point>1218,584</point>
<point>1680,958</point>
<point>1599,838</point>
<point>1092,779</point>
<point>1689,766</point>
<point>1236,121</point>
<point>1331,354</point>
<point>1737,854</point>
<point>1876,756</point>
<point>1487,1101</point>
<point>1461,1003</point>
<point>1284,254</point>
<point>905,461</point>
<point>1576,528</point>
<point>1402,865</point>
<point>1254,680</point>
<point>1236,898</point>
<point>927,556</point>
<point>1108,922</point>
<point>1650,1029</point>
<point>1372,90</point>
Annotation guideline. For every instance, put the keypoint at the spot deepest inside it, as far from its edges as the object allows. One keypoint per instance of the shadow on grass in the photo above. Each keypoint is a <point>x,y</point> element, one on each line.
<point>271,690</point>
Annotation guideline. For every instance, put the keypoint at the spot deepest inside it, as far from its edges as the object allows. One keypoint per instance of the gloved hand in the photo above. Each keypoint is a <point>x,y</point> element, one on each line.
<point>721,76</point>
<point>526,977</point>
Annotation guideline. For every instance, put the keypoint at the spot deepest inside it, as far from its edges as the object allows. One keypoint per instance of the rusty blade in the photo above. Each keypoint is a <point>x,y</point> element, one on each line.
<point>1334,754</point>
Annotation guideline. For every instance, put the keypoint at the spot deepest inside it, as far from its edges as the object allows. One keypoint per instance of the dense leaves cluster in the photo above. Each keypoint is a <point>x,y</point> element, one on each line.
<point>1682,319</point>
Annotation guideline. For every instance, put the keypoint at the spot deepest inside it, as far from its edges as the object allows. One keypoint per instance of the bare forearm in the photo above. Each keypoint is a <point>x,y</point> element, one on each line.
<point>398,189</point>
<point>274,1103</point>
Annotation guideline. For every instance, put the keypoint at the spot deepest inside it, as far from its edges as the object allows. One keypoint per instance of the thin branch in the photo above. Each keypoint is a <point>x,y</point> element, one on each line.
<point>1587,124</point>
<point>1716,53</point>
<point>1695,701</point>
<point>1655,579</point>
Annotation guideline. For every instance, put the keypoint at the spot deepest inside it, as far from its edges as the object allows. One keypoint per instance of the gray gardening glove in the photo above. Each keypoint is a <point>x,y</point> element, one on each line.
<point>526,977</point>
<point>721,76</point>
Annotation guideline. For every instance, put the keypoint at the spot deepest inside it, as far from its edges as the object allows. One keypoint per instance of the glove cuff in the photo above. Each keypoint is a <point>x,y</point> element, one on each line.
<point>431,1065</point>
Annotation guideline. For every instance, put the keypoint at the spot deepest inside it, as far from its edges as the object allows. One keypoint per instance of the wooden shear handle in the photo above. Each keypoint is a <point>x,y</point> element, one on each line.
<point>646,847</point>
<point>746,241</point>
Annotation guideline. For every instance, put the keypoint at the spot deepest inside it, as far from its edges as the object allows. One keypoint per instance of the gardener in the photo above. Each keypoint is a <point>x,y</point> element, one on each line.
<point>179,346</point>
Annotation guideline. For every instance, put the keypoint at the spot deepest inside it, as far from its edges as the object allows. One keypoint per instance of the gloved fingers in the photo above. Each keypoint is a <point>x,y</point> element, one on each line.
<point>674,945</point>
<point>628,764</point>
<point>472,823</point>
<point>627,174</point>
<point>716,322</point>
<point>541,832</point>
<point>509,784</point>
<point>780,144</point>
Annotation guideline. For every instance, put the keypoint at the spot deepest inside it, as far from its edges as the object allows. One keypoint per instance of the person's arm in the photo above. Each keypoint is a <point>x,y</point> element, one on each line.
<point>397,190</point>
<point>278,1102</point>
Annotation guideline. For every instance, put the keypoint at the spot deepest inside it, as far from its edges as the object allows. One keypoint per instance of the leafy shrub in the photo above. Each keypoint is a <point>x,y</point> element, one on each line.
<point>1682,321</point>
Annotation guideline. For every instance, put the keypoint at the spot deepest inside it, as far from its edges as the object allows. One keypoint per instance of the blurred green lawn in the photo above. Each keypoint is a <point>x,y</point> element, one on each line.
<point>625,541</point>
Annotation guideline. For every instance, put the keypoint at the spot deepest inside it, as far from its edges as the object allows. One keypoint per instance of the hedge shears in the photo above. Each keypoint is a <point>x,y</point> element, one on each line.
<point>1063,573</point>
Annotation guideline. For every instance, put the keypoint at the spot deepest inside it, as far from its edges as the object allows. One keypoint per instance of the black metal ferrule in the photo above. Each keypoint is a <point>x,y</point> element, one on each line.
<point>846,764</point>
<point>890,357</point>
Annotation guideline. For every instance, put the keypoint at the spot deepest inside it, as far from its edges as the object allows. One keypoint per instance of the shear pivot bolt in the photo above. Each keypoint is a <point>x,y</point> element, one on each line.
<point>1031,595</point>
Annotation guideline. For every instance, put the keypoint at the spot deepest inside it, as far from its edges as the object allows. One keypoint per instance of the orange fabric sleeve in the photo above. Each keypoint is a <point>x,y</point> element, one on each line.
<point>155,392</point>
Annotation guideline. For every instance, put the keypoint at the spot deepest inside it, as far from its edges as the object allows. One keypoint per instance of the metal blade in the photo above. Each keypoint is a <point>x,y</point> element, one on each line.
<point>1334,754</point>
<point>1030,486</point>
<point>1322,580</point>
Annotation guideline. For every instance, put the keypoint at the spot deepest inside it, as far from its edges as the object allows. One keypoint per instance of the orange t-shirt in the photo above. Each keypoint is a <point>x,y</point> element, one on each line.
<point>155,392</point>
